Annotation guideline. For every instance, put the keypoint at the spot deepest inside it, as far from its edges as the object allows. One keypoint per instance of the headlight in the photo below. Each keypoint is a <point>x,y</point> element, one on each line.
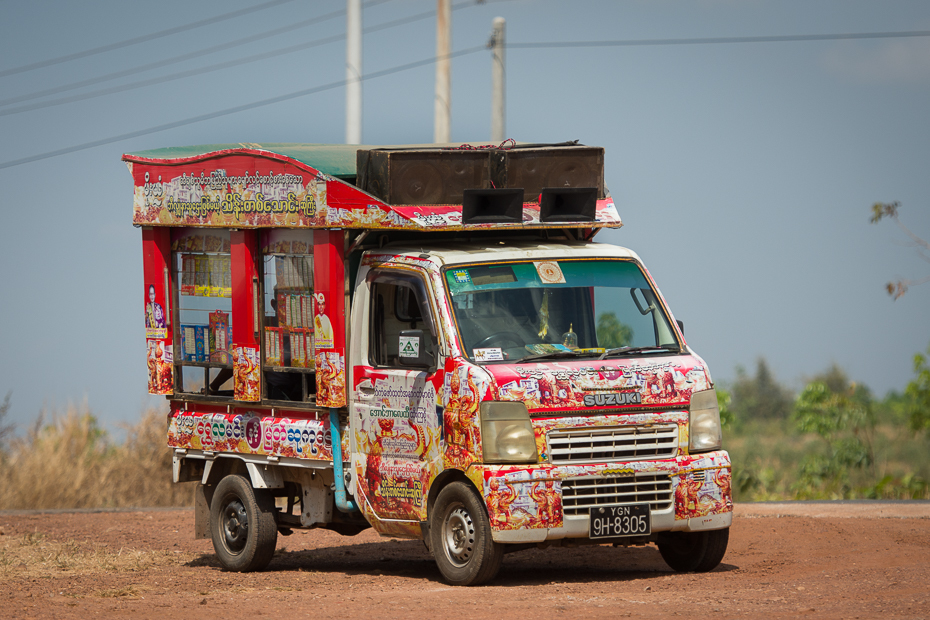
<point>704,426</point>
<point>507,433</point>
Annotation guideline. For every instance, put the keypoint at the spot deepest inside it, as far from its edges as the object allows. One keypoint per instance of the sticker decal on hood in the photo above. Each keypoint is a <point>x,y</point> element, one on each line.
<point>560,386</point>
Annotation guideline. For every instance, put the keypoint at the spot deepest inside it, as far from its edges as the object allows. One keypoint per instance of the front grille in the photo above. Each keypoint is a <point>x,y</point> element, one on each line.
<point>580,494</point>
<point>612,444</point>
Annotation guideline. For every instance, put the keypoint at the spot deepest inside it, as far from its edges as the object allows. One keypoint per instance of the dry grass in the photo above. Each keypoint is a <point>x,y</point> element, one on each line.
<point>33,555</point>
<point>72,463</point>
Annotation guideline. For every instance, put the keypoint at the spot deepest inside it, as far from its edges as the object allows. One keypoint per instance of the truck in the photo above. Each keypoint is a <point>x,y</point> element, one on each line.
<point>425,340</point>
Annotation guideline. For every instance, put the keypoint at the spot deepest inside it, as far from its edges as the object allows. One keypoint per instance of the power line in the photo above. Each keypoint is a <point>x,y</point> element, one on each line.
<point>214,67</point>
<point>188,56</point>
<point>721,40</point>
<point>401,21</point>
<point>174,59</point>
<point>209,68</point>
<point>173,76</point>
<point>233,110</point>
<point>539,45</point>
<point>141,39</point>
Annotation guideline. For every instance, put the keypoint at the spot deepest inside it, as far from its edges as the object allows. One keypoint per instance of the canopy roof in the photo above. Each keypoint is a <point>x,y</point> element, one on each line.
<point>305,186</point>
<point>337,160</point>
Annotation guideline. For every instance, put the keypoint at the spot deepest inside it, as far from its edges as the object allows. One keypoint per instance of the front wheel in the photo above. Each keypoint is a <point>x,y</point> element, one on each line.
<point>461,540</point>
<point>698,552</point>
<point>242,525</point>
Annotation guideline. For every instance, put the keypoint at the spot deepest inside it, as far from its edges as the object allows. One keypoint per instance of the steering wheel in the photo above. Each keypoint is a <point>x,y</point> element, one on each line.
<point>500,337</point>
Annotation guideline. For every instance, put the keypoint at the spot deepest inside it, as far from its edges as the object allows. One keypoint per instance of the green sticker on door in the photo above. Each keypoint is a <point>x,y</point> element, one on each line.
<point>409,346</point>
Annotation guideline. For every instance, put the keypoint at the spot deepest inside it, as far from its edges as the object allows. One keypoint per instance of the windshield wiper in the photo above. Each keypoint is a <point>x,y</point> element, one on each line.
<point>631,350</point>
<point>549,356</point>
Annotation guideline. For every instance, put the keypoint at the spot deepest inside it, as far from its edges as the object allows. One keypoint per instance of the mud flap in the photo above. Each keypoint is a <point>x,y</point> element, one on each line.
<point>203,495</point>
<point>424,527</point>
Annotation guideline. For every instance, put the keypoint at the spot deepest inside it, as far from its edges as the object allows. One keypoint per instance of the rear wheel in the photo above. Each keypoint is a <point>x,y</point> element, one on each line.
<point>461,537</point>
<point>242,525</point>
<point>697,552</point>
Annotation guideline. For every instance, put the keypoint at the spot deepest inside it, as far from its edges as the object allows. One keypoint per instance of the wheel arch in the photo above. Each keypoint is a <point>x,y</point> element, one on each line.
<point>260,475</point>
<point>222,466</point>
<point>442,481</point>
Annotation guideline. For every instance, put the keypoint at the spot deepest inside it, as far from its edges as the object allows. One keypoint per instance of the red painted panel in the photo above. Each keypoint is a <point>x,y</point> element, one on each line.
<point>329,317</point>
<point>243,258</point>
<point>246,355</point>
<point>156,256</point>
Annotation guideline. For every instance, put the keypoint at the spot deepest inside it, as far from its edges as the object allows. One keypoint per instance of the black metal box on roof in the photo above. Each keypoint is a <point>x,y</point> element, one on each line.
<point>536,168</point>
<point>420,177</point>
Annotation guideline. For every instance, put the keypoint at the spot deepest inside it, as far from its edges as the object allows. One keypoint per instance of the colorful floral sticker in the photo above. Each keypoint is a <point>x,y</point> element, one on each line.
<point>550,272</point>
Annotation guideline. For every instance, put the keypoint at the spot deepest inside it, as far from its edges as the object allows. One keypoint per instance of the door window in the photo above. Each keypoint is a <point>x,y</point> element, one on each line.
<point>402,331</point>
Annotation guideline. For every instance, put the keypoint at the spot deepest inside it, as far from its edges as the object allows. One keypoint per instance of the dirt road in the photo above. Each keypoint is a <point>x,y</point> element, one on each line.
<point>859,560</point>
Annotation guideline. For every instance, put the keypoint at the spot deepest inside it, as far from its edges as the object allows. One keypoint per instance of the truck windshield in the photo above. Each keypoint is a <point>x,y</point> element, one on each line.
<point>588,308</point>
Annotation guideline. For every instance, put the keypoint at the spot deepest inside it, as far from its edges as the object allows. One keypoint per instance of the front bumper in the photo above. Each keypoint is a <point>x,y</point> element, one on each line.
<point>538,503</point>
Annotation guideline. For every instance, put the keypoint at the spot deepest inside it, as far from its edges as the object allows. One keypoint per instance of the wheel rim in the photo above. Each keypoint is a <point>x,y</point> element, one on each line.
<point>235,526</point>
<point>458,534</point>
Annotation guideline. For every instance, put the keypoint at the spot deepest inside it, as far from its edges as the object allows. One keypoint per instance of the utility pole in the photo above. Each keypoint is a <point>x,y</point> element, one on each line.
<point>353,71</point>
<point>442,111</point>
<point>497,80</point>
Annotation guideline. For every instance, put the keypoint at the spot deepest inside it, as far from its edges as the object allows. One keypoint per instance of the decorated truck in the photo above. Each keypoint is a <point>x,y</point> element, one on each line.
<point>424,340</point>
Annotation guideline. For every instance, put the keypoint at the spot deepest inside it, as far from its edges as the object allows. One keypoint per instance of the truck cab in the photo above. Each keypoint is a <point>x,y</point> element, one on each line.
<point>550,379</point>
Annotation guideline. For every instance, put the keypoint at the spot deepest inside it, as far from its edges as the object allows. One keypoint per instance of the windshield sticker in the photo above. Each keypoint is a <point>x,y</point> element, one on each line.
<point>461,277</point>
<point>549,272</point>
<point>488,355</point>
<point>409,346</point>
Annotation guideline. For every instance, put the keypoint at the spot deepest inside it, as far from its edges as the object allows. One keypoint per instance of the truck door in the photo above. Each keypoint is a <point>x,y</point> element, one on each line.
<point>394,418</point>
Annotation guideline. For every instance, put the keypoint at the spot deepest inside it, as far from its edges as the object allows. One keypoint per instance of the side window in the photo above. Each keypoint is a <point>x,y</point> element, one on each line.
<point>203,329</point>
<point>399,309</point>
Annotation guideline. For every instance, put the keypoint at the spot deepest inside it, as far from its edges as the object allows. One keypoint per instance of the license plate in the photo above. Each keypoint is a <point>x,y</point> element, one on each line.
<point>619,521</point>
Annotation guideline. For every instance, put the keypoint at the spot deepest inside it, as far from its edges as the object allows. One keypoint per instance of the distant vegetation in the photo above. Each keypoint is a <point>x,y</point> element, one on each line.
<point>833,440</point>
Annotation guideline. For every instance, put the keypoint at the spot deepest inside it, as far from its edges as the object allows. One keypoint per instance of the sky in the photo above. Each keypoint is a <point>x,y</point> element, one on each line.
<point>744,172</point>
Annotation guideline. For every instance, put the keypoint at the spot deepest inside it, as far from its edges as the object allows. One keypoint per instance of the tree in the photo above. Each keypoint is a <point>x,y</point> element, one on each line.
<point>841,414</point>
<point>611,333</point>
<point>759,396</point>
<point>834,378</point>
<point>918,391</point>
<point>723,405</point>
<point>882,210</point>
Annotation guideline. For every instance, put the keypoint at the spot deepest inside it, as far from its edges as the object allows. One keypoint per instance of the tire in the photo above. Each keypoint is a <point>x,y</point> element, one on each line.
<point>698,552</point>
<point>460,537</point>
<point>242,525</point>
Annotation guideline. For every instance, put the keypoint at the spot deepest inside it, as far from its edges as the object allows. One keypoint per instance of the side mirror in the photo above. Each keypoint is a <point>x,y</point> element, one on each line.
<point>681,326</point>
<point>415,349</point>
